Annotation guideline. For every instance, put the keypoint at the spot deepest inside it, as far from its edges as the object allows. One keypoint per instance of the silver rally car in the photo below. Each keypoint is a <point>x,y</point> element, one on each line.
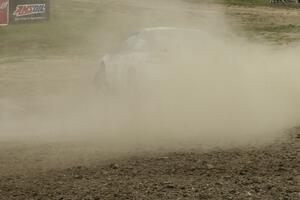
<point>142,59</point>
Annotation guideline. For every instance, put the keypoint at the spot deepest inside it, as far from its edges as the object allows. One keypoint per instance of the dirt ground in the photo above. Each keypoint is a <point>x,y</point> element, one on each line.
<point>31,169</point>
<point>269,172</point>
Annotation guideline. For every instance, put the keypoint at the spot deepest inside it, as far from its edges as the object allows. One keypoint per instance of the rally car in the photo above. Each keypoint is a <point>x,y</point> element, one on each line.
<point>143,59</point>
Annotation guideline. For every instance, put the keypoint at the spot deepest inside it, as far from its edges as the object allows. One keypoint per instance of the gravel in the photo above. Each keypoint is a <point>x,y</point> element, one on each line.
<point>267,172</point>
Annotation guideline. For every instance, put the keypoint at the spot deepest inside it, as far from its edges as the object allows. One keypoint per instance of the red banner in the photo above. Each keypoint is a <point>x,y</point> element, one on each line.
<point>4,12</point>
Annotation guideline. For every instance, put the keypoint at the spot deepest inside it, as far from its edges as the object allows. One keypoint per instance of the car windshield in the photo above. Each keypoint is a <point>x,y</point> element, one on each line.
<point>161,39</point>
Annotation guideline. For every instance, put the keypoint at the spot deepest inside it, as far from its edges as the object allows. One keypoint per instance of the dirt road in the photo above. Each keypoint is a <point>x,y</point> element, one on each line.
<point>269,172</point>
<point>40,162</point>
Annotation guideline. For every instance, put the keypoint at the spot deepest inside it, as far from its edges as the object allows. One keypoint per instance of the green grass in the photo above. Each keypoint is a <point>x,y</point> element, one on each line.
<point>289,28</point>
<point>65,33</point>
<point>257,3</point>
<point>280,34</point>
<point>74,25</point>
<point>234,2</point>
<point>245,2</point>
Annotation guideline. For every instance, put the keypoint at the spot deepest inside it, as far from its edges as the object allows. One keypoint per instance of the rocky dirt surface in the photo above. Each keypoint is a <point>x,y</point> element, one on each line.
<point>268,172</point>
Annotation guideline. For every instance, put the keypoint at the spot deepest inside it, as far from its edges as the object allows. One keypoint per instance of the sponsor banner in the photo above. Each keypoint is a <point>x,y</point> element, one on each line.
<point>4,12</point>
<point>21,11</point>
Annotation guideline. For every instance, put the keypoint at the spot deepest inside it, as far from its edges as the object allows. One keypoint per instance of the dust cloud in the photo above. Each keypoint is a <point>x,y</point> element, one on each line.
<point>213,88</point>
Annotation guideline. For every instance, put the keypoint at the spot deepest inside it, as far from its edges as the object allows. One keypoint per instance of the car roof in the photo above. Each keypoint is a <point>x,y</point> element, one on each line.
<point>165,29</point>
<point>142,35</point>
<point>162,31</point>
